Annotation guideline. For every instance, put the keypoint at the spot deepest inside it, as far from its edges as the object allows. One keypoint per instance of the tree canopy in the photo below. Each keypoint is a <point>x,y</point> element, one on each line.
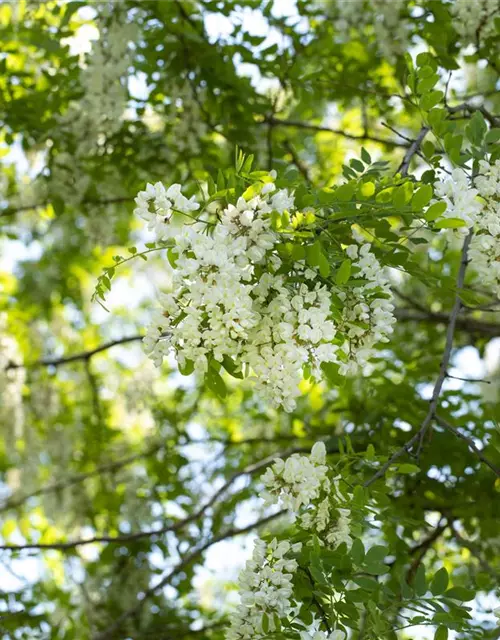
<point>249,297</point>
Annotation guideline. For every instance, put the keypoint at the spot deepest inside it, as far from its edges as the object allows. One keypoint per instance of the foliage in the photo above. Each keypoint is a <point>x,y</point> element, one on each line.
<point>320,261</point>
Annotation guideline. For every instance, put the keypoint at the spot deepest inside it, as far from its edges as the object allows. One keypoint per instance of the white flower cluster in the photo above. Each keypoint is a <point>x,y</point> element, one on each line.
<point>479,207</point>
<point>98,114</point>
<point>385,16</point>
<point>231,304</point>
<point>11,385</point>
<point>301,484</point>
<point>298,481</point>
<point>265,587</point>
<point>368,315</point>
<point>104,78</point>
<point>222,307</point>
<point>460,198</point>
<point>474,20</point>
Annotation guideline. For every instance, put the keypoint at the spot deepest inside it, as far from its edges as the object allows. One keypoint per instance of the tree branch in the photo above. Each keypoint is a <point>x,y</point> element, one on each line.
<point>466,324</point>
<point>314,127</point>
<point>108,467</point>
<point>467,109</point>
<point>421,549</point>
<point>108,633</point>
<point>470,442</point>
<point>412,150</point>
<point>11,211</point>
<point>298,162</point>
<point>84,355</point>
<point>176,526</point>
<point>420,434</point>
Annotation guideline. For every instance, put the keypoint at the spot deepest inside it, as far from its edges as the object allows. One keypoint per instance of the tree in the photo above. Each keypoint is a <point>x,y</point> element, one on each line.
<point>295,207</point>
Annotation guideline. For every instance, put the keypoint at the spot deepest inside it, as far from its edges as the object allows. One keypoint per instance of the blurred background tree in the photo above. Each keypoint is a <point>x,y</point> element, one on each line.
<point>128,493</point>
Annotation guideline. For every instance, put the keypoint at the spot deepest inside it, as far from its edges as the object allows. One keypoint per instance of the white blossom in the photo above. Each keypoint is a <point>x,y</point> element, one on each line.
<point>265,587</point>
<point>368,313</point>
<point>387,17</point>
<point>296,481</point>
<point>230,303</point>
<point>478,205</point>
<point>475,20</point>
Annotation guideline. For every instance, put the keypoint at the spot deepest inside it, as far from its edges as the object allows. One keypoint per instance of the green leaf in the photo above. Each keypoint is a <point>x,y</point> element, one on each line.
<point>365,156</point>
<point>247,165</point>
<point>313,254</point>
<point>460,593</point>
<point>441,633</point>
<point>211,188</point>
<point>426,84</point>
<point>324,266</point>
<point>172,257</point>
<point>492,136</point>
<point>435,211</point>
<point>343,272</point>
<point>215,382</point>
<point>345,192</point>
<point>422,197</point>
<point>298,252</point>
<point>231,367</point>
<point>187,369</point>
<point>428,149</point>
<point>399,197</point>
<point>476,129</point>
<point>431,99</point>
<point>357,551</point>
<point>357,165</point>
<point>420,583</point>
<point>450,223</point>
<point>439,582</point>
<point>407,468</point>
<point>265,623</point>
<point>376,554</point>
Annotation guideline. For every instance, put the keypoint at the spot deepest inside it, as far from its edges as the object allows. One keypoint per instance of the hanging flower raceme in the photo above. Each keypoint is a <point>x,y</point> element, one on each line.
<point>478,205</point>
<point>301,484</point>
<point>265,587</point>
<point>388,19</point>
<point>475,21</point>
<point>235,303</point>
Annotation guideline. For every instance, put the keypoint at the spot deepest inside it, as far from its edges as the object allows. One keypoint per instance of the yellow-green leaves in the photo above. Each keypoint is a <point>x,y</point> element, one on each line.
<point>434,211</point>
<point>422,197</point>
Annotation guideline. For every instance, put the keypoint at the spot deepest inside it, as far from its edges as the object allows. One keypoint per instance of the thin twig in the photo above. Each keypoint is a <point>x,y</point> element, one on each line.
<point>83,355</point>
<point>314,127</point>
